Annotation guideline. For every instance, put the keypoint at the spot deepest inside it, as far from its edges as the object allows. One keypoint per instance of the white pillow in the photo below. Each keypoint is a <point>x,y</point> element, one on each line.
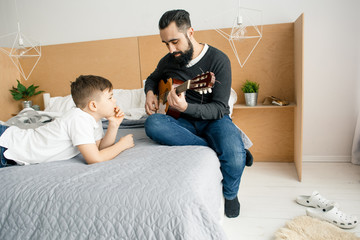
<point>60,104</point>
<point>131,102</point>
<point>232,100</point>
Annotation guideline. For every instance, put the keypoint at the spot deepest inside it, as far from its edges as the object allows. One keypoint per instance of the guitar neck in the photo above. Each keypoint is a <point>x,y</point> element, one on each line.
<point>183,87</point>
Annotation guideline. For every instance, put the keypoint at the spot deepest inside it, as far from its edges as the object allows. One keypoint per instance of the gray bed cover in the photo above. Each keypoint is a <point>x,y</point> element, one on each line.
<point>147,192</point>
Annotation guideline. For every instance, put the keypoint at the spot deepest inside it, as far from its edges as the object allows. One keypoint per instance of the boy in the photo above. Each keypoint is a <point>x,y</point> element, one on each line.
<point>79,130</point>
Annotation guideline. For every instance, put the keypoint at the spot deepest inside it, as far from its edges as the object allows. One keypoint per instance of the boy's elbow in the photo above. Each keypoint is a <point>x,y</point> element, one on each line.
<point>96,159</point>
<point>91,153</point>
<point>93,159</point>
<point>90,161</point>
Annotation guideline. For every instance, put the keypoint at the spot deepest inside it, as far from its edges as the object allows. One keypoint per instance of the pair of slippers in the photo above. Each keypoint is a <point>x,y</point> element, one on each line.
<point>326,210</point>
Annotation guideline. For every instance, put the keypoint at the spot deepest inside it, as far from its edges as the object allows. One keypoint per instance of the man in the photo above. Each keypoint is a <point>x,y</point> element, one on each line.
<point>204,119</point>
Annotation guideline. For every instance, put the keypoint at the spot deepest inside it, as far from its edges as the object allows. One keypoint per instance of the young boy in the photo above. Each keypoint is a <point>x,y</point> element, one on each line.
<point>80,129</point>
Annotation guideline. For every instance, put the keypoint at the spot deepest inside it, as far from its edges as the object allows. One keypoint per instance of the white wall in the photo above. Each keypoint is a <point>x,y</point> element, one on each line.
<point>332,51</point>
<point>331,77</point>
<point>53,21</point>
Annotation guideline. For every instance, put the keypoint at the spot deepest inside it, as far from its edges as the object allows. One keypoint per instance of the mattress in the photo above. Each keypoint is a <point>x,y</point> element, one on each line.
<point>150,191</point>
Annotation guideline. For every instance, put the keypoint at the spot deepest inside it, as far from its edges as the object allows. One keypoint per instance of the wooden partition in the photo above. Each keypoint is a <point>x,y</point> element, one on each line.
<point>150,56</point>
<point>299,86</point>
<point>271,130</point>
<point>8,76</point>
<point>114,59</point>
<point>271,63</point>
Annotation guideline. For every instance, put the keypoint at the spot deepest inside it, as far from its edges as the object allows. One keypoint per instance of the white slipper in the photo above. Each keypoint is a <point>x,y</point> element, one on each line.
<point>333,215</point>
<point>315,200</point>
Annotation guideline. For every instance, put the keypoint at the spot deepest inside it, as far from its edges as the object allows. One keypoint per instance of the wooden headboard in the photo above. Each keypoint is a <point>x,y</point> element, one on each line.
<point>128,61</point>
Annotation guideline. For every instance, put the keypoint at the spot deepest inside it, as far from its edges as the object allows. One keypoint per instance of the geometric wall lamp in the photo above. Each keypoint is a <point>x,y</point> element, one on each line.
<point>245,34</point>
<point>21,49</point>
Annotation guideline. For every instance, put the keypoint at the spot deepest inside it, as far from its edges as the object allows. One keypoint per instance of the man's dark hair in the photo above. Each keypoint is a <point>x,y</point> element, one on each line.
<point>86,88</point>
<point>180,17</point>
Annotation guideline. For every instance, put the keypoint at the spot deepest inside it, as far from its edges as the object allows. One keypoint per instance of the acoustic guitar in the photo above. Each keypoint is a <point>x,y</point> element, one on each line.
<point>202,84</point>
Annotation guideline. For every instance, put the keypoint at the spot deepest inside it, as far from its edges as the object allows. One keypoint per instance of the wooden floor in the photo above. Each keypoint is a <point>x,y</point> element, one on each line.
<point>268,191</point>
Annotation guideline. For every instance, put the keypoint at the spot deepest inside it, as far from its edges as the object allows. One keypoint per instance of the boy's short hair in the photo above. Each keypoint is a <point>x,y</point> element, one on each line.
<point>86,87</point>
<point>180,17</point>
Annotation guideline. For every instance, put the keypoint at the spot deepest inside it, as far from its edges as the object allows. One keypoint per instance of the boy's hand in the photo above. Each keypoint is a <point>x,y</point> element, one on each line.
<point>117,118</point>
<point>92,154</point>
<point>127,141</point>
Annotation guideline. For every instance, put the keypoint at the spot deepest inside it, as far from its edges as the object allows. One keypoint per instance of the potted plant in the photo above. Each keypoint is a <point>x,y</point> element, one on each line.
<point>250,90</point>
<point>23,93</point>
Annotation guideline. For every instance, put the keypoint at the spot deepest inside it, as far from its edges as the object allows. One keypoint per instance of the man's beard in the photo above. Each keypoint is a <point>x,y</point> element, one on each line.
<point>185,57</point>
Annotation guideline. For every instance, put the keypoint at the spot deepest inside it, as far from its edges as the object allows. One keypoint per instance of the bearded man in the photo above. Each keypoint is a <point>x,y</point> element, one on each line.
<point>204,119</point>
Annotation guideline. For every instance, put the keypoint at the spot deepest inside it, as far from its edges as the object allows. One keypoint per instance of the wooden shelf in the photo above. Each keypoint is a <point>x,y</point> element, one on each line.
<point>260,105</point>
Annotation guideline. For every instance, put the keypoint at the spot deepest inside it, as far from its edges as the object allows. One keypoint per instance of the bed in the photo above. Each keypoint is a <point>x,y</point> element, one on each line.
<point>147,192</point>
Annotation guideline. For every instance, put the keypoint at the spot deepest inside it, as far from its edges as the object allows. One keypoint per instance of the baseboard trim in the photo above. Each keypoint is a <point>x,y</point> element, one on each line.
<point>307,158</point>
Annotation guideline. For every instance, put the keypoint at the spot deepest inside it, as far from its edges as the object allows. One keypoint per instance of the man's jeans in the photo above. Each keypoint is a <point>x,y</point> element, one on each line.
<point>221,135</point>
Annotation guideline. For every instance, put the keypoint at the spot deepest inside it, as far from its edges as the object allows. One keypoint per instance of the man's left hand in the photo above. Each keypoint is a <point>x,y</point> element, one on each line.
<point>177,101</point>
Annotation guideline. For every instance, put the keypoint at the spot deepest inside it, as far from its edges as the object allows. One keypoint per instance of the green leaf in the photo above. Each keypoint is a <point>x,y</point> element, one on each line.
<point>13,90</point>
<point>18,96</point>
<point>30,90</point>
<point>250,87</point>
<point>37,93</point>
<point>21,87</point>
<point>21,92</point>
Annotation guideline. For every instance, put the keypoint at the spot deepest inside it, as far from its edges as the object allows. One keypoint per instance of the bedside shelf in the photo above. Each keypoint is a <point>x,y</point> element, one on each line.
<point>260,105</point>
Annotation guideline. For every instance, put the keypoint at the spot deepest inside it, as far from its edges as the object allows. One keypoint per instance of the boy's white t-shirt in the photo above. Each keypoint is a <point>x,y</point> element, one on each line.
<point>54,141</point>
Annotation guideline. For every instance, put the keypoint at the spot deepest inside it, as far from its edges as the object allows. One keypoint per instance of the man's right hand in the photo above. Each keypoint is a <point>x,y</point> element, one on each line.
<point>151,103</point>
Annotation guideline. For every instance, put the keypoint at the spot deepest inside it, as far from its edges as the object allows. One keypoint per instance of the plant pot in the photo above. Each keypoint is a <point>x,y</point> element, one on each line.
<point>251,99</point>
<point>27,104</point>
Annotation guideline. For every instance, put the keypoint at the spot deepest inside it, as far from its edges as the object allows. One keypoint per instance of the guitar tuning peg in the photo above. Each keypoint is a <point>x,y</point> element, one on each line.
<point>209,90</point>
<point>200,91</point>
<point>205,91</point>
